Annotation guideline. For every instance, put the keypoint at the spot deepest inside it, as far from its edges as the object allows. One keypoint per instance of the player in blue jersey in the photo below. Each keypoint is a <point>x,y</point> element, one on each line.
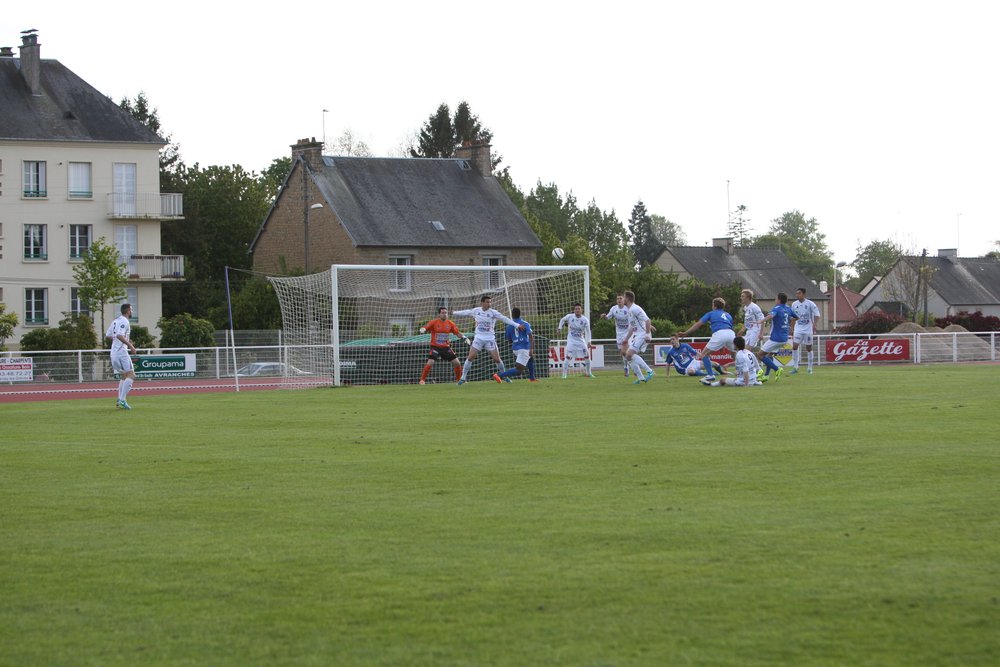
<point>721,324</point>
<point>781,317</point>
<point>682,357</point>
<point>521,341</point>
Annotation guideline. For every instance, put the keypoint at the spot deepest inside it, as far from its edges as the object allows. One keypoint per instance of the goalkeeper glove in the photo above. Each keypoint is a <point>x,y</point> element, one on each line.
<point>467,341</point>
<point>423,330</point>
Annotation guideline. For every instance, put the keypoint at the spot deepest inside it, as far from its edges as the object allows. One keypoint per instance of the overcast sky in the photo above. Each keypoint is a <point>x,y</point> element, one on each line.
<point>879,119</point>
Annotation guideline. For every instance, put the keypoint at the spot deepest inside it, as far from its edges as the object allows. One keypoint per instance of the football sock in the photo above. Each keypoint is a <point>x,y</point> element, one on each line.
<point>809,359</point>
<point>424,373</point>
<point>458,373</point>
<point>500,367</point>
<point>121,385</point>
<point>643,366</point>
<point>531,368</point>
<point>586,365</point>
<point>465,369</point>
<point>510,372</point>
<point>634,365</point>
<point>126,387</point>
<point>706,361</point>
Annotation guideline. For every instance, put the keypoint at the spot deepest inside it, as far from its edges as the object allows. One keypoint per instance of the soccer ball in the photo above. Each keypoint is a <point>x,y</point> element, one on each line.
<point>558,253</point>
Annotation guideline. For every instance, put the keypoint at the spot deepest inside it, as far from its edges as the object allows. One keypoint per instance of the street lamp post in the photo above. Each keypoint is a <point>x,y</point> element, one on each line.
<point>305,236</point>
<point>838,265</point>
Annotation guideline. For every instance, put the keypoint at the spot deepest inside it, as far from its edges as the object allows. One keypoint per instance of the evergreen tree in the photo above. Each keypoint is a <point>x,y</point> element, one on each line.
<point>437,137</point>
<point>646,248</point>
<point>739,226</point>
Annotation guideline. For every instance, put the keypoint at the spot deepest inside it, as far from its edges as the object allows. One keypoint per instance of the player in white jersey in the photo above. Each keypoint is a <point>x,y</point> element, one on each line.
<point>619,313</point>
<point>640,332</point>
<point>121,348</point>
<point>486,337</point>
<point>753,318</point>
<point>577,339</point>
<point>807,314</point>
<point>746,369</point>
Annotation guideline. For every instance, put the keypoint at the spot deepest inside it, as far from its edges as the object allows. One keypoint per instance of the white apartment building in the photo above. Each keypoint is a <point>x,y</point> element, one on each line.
<point>74,168</point>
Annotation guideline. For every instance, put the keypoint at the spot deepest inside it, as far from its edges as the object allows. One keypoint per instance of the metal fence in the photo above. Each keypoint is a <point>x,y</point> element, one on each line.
<point>272,358</point>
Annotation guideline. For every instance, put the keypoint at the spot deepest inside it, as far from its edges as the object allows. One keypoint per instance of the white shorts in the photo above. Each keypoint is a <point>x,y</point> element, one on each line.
<point>772,346</point>
<point>738,381</point>
<point>488,344</point>
<point>752,337</point>
<point>576,350</point>
<point>521,357</point>
<point>638,342</point>
<point>803,338</point>
<point>722,339</point>
<point>121,362</point>
<point>621,337</point>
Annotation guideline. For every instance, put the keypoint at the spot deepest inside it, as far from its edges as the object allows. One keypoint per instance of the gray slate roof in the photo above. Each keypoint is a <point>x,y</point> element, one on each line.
<point>971,281</point>
<point>393,201</point>
<point>766,272</point>
<point>69,109</point>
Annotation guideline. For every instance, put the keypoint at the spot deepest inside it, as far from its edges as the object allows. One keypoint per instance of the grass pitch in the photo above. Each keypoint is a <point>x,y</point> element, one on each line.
<point>850,517</point>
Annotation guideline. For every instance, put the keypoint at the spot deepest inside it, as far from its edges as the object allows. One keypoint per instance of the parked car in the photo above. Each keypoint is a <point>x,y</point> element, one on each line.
<point>270,369</point>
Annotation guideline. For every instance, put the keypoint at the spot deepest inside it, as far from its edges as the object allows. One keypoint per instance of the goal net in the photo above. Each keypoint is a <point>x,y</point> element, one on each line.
<point>360,324</point>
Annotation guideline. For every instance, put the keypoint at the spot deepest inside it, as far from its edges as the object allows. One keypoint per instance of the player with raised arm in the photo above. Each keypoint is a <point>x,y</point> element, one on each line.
<point>619,313</point>
<point>781,317</point>
<point>640,332</point>
<point>807,314</point>
<point>521,343</point>
<point>682,358</point>
<point>721,324</point>
<point>577,339</point>
<point>486,337</point>
<point>746,365</point>
<point>441,330</point>
<point>121,348</point>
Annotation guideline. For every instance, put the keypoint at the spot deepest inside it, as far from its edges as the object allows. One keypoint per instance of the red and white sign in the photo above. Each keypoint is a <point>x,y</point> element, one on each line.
<point>16,369</point>
<point>558,354</point>
<point>721,357</point>
<point>883,349</point>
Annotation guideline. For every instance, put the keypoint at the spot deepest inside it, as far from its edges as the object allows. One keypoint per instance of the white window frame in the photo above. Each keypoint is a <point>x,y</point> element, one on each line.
<point>123,178</point>
<point>76,305</point>
<point>400,281</point>
<point>35,299</point>
<point>80,180</point>
<point>34,184</point>
<point>491,279</point>
<point>76,248</point>
<point>31,252</point>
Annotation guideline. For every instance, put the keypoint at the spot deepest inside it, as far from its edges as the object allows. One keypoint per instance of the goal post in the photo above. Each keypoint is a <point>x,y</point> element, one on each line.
<point>360,324</point>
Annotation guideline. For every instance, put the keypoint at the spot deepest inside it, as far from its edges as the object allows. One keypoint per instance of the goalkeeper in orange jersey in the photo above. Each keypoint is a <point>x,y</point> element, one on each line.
<point>441,330</point>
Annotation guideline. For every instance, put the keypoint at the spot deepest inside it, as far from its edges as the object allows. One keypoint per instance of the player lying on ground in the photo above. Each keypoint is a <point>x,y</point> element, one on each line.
<point>682,358</point>
<point>746,368</point>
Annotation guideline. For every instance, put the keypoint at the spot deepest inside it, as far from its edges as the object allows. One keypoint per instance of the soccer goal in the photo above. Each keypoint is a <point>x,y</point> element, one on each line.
<point>360,324</point>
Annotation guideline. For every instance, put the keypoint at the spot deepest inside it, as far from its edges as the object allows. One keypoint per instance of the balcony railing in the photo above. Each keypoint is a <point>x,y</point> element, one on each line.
<point>155,267</point>
<point>145,206</point>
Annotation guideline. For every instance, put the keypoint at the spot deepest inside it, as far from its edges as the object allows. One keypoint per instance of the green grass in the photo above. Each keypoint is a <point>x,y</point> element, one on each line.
<point>851,517</point>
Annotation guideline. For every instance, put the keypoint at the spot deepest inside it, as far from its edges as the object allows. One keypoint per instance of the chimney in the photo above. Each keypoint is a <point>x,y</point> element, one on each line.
<point>478,153</point>
<point>309,150</point>
<point>726,243</point>
<point>951,254</point>
<point>6,51</point>
<point>31,65</point>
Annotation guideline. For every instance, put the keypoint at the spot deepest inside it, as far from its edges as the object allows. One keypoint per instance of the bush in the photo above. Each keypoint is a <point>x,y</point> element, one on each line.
<point>872,322</point>
<point>971,321</point>
<point>75,332</point>
<point>185,330</point>
<point>141,337</point>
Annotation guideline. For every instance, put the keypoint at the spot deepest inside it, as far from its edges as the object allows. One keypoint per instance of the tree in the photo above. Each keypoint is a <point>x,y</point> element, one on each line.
<point>907,283</point>
<point>646,248</point>
<point>183,330</point>
<point>101,276</point>
<point>350,145</point>
<point>739,225</point>
<point>800,239</point>
<point>874,259</point>
<point>437,137</point>
<point>171,164</point>
<point>442,132</point>
<point>8,322</point>
<point>994,254</point>
<point>668,233</point>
